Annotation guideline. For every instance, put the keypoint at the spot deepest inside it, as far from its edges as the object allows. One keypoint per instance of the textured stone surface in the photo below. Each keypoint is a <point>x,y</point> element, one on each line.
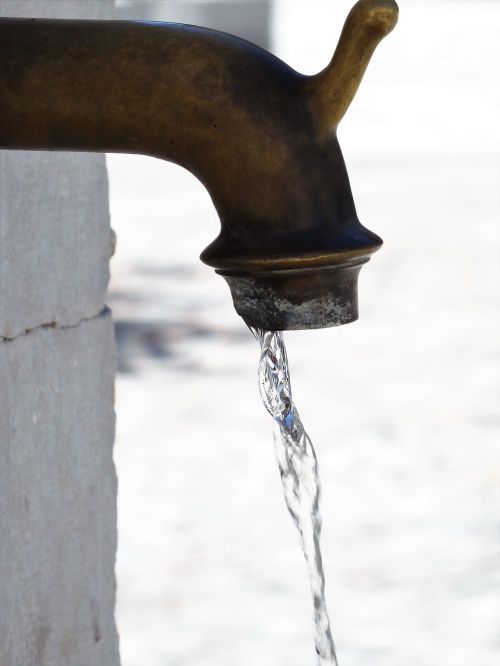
<point>55,240</point>
<point>57,478</point>
<point>57,500</point>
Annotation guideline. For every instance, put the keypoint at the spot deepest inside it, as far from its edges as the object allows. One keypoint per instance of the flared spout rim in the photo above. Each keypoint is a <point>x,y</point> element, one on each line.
<point>239,262</point>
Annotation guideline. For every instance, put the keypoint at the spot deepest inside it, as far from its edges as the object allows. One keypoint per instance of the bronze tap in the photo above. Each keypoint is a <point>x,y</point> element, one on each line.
<point>260,136</point>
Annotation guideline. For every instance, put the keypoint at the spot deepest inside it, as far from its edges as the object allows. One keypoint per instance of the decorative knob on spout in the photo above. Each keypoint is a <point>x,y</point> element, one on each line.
<point>333,89</point>
<point>260,136</point>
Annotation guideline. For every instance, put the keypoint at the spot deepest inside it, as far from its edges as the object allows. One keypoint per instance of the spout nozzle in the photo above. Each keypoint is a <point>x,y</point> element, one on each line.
<point>297,290</point>
<point>297,298</point>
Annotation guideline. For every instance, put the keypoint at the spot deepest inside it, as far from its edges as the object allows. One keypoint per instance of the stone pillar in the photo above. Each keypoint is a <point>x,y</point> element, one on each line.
<point>57,362</point>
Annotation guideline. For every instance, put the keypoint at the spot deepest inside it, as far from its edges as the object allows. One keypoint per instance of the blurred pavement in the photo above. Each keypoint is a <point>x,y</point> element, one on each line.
<point>403,406</point>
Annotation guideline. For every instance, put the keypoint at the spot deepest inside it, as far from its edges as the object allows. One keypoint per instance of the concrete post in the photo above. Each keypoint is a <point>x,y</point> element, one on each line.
<point>57,361</point>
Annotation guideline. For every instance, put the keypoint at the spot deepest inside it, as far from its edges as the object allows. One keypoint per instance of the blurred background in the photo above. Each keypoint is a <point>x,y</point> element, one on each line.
<point>402,406</point>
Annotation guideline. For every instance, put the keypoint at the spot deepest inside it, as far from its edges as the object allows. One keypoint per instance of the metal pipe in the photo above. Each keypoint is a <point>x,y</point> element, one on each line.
<point>260,136</point>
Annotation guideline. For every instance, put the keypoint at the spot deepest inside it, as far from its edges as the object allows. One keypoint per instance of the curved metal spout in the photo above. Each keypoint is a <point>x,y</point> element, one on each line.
<point>260,137</point>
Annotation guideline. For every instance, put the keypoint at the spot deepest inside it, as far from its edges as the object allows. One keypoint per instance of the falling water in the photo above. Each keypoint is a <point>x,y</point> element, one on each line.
<point>299,474</point>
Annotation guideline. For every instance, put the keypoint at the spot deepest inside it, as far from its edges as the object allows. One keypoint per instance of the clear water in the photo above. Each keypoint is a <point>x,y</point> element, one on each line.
<point>299,473</point>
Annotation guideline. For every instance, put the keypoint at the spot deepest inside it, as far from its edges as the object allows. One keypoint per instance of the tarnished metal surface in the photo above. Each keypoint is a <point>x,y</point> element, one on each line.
<point>297,298</point>
<point>260,136</point>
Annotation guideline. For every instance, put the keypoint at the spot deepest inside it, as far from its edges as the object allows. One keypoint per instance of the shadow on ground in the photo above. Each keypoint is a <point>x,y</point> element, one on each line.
<point>137,340</point>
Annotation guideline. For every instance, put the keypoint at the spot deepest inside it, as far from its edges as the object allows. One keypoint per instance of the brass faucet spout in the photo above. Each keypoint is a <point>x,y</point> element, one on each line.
<point>249,127</point>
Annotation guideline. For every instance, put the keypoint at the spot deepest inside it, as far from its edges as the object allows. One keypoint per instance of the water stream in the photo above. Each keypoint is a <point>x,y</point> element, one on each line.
<point>299,473</point>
